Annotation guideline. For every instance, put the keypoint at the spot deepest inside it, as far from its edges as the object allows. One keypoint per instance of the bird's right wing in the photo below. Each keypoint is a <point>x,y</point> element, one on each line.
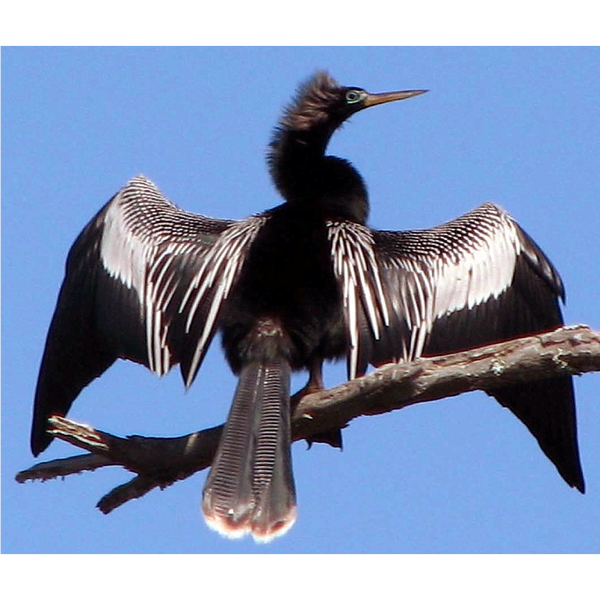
<point>144,281</point>
<point>473,281</point>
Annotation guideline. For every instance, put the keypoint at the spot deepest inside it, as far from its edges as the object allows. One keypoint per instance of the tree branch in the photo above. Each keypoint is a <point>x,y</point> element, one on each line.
<point>160,462</point>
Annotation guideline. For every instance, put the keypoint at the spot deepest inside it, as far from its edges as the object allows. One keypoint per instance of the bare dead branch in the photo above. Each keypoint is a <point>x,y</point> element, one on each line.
<point>159,462</point>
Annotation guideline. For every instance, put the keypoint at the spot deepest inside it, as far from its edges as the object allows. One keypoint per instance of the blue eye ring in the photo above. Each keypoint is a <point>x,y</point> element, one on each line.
<point>354,96</point>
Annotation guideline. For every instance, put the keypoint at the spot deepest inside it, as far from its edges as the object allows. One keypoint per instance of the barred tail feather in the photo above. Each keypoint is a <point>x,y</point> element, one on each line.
<point>250,487</point>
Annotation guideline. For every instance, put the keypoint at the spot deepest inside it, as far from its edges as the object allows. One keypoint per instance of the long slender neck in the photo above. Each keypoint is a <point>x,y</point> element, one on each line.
<point>302,173</point>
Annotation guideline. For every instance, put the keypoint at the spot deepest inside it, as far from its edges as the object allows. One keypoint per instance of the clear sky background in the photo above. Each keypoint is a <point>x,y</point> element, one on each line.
<point>519,127</point>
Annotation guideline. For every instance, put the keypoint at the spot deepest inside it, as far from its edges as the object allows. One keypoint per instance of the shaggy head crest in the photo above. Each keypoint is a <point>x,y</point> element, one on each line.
<point>312,100</point>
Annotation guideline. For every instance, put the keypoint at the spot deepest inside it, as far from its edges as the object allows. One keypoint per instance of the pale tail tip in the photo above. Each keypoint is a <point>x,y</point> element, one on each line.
<point>235,530</point>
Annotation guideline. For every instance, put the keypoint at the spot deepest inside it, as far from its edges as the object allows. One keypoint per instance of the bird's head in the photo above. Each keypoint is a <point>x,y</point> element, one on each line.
<point>297,160</point>
<point>322,104</point>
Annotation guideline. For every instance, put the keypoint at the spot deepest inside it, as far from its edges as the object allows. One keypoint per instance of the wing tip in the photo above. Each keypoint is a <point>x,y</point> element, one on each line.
<point>579,485</point>
<point>40,439</point>
<point>37,446</point>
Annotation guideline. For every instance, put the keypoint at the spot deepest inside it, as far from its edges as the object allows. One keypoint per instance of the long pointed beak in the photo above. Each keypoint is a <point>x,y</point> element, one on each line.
<point>375,99</point>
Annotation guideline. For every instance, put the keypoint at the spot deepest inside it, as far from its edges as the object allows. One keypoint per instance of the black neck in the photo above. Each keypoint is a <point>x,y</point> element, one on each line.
<point>302,173</point>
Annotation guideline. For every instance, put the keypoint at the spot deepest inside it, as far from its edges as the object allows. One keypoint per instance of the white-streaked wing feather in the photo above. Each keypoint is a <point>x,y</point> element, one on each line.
<point>473,281</point>
<point>145,281</point>
<point>144,234</point>
<point>355,266</point>
<point>220,270</point>
<point>406,282</point>
<point>483,267</point>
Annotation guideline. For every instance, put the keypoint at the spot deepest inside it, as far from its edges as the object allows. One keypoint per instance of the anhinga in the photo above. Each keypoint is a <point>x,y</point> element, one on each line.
<point>301,283</point>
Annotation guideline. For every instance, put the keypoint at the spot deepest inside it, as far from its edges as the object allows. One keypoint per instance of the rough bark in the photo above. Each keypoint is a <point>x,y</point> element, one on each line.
<point>159,462</point>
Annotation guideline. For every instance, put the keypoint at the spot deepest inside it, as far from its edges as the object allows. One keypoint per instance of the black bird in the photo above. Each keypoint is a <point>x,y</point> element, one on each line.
<point>301,283</point>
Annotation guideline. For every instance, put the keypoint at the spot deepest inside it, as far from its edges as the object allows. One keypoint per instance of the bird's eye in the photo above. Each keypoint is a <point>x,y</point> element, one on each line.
<point>354,96</point>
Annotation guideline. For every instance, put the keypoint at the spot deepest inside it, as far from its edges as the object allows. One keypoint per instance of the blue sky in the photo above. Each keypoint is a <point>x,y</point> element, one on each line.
<point>519,127</point>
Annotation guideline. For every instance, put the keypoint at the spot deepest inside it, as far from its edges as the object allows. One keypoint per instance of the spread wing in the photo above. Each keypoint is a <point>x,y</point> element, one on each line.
<point>144,281</point>
<point>473,281</point>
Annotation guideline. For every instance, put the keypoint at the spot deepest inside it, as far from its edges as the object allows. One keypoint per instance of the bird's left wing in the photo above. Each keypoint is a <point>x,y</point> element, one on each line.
<point>473,281</point>
<point>144,281</point>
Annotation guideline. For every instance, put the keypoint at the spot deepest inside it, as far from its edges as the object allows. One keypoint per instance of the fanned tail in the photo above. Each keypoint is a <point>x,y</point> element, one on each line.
<point>250,487</point>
